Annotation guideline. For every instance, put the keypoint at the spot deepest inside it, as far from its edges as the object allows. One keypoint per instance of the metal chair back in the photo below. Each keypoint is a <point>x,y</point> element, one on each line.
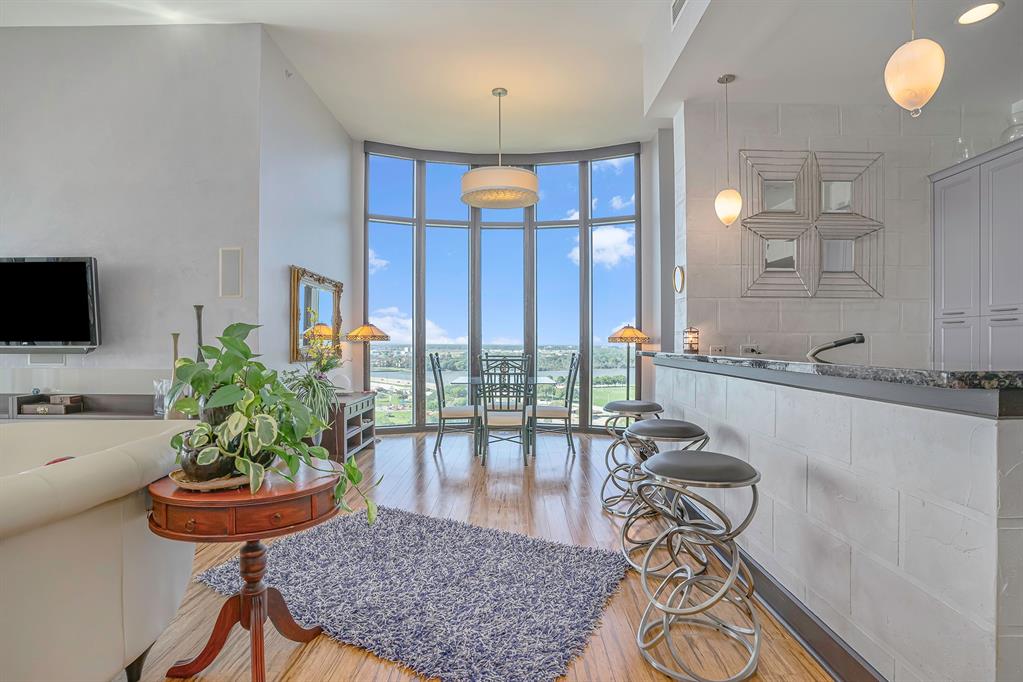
<point>438,379</point>
<point>573,375</point>
<point>504,384</point>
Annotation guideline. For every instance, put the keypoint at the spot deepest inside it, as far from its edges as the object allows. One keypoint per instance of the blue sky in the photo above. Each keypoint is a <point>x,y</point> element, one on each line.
<point>391,192</point>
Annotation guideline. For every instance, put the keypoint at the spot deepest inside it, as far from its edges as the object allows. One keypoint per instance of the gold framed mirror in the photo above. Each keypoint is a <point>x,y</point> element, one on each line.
<point>315,312</point>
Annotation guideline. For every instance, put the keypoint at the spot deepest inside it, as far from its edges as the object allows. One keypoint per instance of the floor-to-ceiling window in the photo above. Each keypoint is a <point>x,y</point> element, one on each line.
<point>390,256</point>
<point>553,280</point>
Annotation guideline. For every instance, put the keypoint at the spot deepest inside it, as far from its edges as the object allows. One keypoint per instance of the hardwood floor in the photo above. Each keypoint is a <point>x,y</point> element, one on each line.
<point>555,497</point>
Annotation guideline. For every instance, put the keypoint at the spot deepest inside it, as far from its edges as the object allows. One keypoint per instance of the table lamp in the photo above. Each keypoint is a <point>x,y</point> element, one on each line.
<point>628,335</point>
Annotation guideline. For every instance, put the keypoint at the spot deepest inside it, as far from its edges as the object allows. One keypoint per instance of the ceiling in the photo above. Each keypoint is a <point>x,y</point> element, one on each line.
<point>834,51</point>
<point>419,73</point>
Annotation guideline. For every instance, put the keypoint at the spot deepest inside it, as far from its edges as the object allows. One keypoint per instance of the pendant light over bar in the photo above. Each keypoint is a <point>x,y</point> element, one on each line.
<point>914,71</point>
<point>728,203</point>
<point>500,186</point>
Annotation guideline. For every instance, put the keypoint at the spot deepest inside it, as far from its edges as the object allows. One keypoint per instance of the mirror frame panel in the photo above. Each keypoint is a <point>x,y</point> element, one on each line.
<point>298,276</point>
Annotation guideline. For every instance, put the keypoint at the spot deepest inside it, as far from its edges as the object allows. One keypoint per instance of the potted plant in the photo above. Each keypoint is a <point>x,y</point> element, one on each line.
<point>249,421</point>
<point>312,383</point>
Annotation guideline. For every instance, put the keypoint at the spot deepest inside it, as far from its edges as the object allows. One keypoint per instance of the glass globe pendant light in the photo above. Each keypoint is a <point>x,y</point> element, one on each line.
<point>500,186</point>
<point>728,203</point>
<point>914,71</point>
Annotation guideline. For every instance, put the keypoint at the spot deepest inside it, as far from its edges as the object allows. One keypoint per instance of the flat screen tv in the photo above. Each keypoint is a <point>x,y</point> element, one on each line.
<point>49,305</point>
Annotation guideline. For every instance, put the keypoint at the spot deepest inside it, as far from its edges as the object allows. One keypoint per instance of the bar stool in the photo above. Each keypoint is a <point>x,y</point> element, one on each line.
<point>617,487</point>
<point>642,437</point>
<point>687,594</point>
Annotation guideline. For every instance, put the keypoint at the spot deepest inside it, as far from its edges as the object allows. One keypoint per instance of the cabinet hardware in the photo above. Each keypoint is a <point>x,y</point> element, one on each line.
<point>1004,319</point>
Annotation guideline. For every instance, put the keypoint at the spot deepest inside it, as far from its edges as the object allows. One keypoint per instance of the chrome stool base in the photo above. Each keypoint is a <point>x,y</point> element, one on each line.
<point>680,589</point>
<point>616,490</point>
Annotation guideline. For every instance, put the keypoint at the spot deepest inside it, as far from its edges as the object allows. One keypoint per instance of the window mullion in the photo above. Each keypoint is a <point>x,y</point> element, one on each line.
<point>585,317</point>
<point>419,300</point>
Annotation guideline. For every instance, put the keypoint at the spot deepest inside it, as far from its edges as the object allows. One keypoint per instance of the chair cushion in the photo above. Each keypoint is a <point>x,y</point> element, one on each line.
<point>666,429</point>
<point>633,406</point>
<point>458,412</point>
<point>504,419</point>
<point>551,412</point>
<point>701,468</point>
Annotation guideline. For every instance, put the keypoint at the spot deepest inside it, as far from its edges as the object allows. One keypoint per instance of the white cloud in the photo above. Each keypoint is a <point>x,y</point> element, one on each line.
<point>375,262</point>
<point>617,203</point>
<point>572,214</point>
<point>503,341</point>
<point>617,165</point>
<point>398,326</point>
<point>611,245</point>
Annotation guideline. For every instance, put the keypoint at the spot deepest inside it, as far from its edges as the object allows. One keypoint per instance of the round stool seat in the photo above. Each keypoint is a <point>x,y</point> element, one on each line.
<point>665,429</point>
<point>633,406</point>
<point>701,469</point>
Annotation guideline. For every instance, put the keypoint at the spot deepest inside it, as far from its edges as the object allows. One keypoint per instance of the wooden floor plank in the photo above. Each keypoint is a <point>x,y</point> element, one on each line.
<point>555,496</point>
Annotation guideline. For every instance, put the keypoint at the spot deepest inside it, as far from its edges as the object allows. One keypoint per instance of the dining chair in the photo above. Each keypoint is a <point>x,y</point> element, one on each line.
<point>561,413</point>
<point>504,394</point>
<point>451,413</point>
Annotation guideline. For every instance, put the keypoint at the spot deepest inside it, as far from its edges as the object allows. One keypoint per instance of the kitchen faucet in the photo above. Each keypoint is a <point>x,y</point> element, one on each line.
<point>812,355</point>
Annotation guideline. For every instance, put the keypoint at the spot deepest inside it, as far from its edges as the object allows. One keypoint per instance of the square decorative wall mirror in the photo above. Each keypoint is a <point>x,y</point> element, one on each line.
<point>780,254</point>
<point>837,255</point>
<point>836,196</point>
<point>779,196</point>
<point>315,312</point>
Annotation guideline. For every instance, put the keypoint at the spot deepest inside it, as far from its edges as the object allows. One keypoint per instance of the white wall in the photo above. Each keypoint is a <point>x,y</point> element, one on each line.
<point>897,326</point>
<point>150,148</point>
<point>305,212</point>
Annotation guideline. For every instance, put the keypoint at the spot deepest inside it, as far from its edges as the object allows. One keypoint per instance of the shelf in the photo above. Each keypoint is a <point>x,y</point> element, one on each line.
<point>360,446</point>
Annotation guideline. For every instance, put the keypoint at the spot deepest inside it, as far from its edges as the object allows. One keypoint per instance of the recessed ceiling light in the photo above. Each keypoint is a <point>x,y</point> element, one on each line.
<point>979,13</point>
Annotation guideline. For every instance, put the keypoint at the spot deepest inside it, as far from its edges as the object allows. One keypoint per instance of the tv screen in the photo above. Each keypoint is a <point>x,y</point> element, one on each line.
<point>49,302</point>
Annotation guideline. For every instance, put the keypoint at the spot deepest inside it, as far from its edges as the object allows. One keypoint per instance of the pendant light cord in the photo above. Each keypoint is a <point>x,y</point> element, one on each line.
<point>499,130</point>
<point>912,18</point>
<point>728,160</point>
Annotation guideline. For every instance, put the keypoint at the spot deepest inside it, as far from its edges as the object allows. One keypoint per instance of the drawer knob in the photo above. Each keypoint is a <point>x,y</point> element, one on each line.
<point>190,525</point>
<point>276,518</point>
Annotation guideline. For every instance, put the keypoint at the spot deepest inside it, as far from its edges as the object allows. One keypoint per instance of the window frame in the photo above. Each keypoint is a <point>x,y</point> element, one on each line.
<point>529,225</point>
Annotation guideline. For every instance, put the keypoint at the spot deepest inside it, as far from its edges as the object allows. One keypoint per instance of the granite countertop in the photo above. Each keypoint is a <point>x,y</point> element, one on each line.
<point>911,376</point>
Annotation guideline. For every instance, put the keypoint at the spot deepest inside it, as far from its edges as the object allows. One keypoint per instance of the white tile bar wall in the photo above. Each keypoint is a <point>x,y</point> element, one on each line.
<point>900,527</point>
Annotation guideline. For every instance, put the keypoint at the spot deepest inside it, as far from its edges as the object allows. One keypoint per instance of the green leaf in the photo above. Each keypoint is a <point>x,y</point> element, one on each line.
<point>210,352</point>
<point>203,381</point>
<point>252,443</point>
<point>340,488</point>
<point>293,463</point>
<point>302,416</point>
<point>177,440</point>
<point>256,474</point>
<point>198,439</point>
<point>319,452</point>
<point>208,456</point>
<point>227,367</point>
<point>181,362</point>
<point>184,373</point>
<point>242,465</point>
<point>371,511</point>
<point>266,428</point>
<point>352,471</point>
<point>239,330</point>
<point>236,346</point>
<point>187,405</point>
<point>235,425</point>
<point>225,395</point>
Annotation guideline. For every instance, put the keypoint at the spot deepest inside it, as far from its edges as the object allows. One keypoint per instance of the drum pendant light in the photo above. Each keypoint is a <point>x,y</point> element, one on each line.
<point>914,71</point>
<point>728,203</point>
<point>500,186</point>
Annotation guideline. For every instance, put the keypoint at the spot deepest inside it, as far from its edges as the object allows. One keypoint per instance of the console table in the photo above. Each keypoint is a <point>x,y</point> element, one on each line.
<point>279,507</point>
<point>353,426</point>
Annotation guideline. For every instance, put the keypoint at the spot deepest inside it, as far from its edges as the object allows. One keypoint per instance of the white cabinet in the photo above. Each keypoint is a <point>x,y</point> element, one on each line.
<point>1001,342</point>
<point>957,245</point>
<point>978,261</point>
<point>957,343</point>
<point>1001,235</point>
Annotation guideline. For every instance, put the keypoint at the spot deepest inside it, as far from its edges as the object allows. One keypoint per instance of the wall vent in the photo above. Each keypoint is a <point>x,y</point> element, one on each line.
<point>676,10</point>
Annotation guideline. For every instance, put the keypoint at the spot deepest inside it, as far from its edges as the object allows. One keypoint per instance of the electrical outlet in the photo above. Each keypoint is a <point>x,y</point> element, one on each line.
<point>749,349</point>
<point>717,350</point>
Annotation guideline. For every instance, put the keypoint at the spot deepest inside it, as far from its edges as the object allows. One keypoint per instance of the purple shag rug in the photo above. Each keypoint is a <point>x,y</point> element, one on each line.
<point>445,598</point>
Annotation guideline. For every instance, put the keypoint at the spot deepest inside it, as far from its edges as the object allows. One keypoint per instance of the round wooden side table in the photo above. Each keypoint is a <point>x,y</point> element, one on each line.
<point>278,508</point>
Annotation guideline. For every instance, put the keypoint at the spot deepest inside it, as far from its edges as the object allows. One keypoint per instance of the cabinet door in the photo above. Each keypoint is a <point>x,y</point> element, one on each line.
<point>957,343</point>
<point>1001,234</point>
<point>957,245</point>
<point>1001,342</point>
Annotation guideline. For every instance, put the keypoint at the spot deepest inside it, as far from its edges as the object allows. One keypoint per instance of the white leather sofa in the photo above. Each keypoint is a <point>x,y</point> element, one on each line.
<point>85,587</point>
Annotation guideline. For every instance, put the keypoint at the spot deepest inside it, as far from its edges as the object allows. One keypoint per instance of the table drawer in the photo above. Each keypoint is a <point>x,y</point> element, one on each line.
<point>199,522</point>
<point>272,516</point>
<point>364,405</point>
